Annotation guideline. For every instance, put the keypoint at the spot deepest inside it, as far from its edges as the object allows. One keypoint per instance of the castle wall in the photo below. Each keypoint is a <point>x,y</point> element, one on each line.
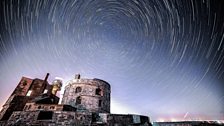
<point>48,107</point>
<point>85,102</point>
<point>26,91</point>
<point>94,95</point>
<point>23,86</point>
<point>14,103</point>
<point>120,119</point>
<point>38,86</point>
<point>58,118</point>
<point>61,118</point>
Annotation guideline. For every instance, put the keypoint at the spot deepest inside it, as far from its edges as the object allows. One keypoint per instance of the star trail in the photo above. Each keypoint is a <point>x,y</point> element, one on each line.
<point>163,58</point>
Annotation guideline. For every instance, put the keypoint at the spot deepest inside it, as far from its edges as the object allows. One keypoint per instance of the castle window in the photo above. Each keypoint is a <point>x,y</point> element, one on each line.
<point>45,91</point>
<point>78,100</point>
<point>100,103</point>
<point>98,91</point>
<point>52,107</point>
<point>29,93</point>
<point>45,115</point>
<point>96,117</point>
<point>24,83</point>
<point>39,107</point>
<point>78,89</point>
<point>25,107</point>
<point>29,107</point>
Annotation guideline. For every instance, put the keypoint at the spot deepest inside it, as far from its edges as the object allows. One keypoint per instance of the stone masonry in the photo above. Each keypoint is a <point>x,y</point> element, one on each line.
<point>91,95</point>
<point>86,102</point>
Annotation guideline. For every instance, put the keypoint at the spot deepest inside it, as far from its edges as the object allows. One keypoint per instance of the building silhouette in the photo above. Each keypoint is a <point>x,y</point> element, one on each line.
<point>84,102</point>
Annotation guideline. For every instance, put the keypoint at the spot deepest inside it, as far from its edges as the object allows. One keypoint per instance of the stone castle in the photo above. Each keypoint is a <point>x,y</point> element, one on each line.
<point>85,102</point>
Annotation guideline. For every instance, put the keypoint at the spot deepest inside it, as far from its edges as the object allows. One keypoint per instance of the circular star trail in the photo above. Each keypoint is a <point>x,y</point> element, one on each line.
<point>163,58</point>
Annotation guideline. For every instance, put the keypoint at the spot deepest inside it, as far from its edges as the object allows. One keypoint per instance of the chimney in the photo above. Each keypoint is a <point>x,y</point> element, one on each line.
<point>77,76</point>
<point>46,77</point>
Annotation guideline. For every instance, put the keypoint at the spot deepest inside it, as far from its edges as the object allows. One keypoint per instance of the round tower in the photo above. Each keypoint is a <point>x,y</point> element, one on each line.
<point>92,95</point>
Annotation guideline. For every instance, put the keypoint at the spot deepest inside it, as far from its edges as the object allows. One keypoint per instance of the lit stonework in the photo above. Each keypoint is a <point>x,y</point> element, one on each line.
<point>86,102</point>
<point>56,86</point>
<point>91,95</point>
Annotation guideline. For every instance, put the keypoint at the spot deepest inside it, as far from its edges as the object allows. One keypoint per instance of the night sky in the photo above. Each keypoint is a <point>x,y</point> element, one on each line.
<point>163,58</point>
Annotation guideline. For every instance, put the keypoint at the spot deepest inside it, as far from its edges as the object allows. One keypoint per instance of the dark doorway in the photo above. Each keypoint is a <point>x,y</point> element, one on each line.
<point>78,100</point>
<point>45,115</point>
